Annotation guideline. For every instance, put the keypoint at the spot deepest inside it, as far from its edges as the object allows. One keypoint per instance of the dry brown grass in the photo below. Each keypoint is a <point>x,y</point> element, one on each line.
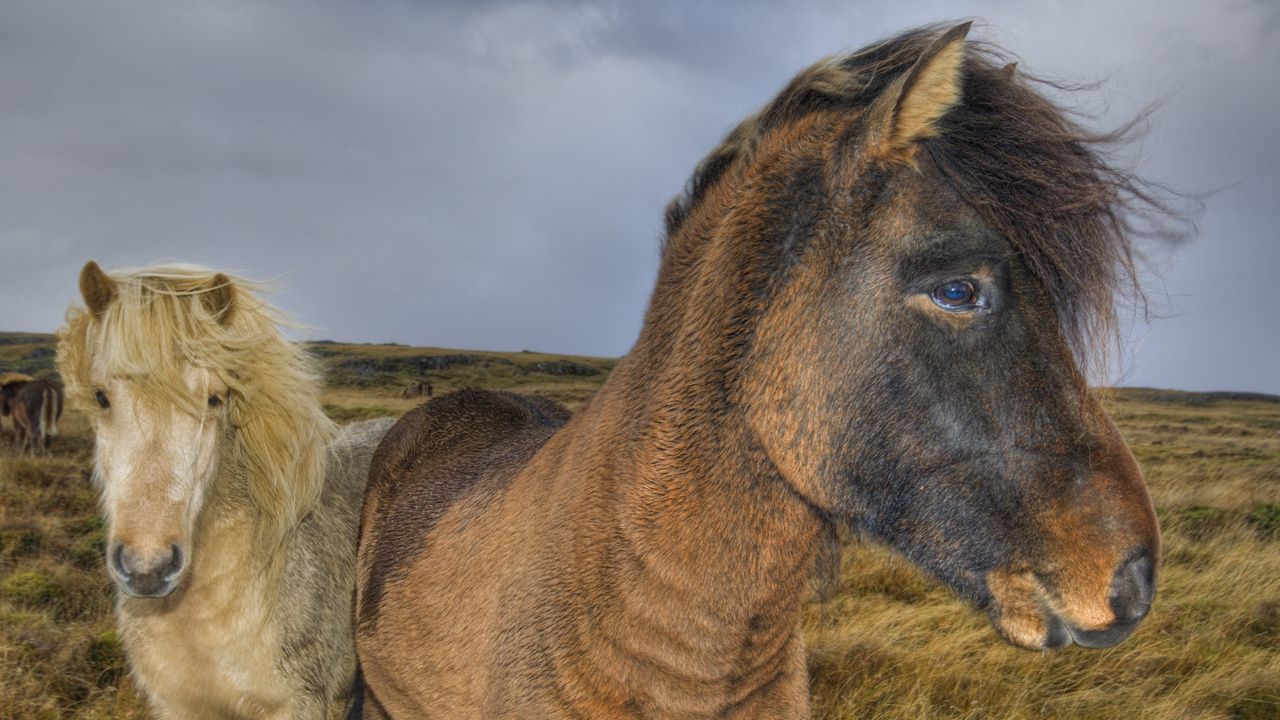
<point>891,643</point>
<point>59,654</point>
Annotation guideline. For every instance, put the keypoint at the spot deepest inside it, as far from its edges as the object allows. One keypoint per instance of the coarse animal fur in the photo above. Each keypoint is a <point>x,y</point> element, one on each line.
<point>36,409</point>
<point>231,500</point>
<point>872,309</point>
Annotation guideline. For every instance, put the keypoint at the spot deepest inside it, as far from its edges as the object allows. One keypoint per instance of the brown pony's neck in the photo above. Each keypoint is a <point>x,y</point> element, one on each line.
<point>711,545</point>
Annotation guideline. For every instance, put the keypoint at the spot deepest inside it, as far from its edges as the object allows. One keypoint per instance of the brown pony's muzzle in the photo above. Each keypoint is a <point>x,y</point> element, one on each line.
<point>1025,613</point>
<point>1132,591</point>
<point>1095,577</point>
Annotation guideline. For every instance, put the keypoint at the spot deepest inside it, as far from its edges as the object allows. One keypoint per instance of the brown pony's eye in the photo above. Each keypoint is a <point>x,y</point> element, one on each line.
<point>955,295</point>
<point>215,401</point>
<point>101,397</point>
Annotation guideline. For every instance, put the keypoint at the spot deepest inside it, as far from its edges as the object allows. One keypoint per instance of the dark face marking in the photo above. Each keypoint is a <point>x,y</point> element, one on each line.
<point>956,429</point>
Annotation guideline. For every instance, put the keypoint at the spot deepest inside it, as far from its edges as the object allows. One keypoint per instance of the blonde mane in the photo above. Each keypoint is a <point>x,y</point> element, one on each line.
<point>160,323</point>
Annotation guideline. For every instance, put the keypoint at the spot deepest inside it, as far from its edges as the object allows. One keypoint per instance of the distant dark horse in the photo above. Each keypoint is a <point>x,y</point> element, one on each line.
<point>10,384</point>
<point>36,409</point>
<point>421,388</point>
<point>865,313</point>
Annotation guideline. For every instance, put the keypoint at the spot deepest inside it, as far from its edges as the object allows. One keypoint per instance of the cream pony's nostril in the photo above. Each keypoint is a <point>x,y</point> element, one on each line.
<point>152,577</point>
<point>117,562</point>
<point>175,562</point>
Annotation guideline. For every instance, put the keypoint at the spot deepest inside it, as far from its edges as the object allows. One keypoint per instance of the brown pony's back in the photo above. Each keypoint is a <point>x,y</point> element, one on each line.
<point>438,453</point>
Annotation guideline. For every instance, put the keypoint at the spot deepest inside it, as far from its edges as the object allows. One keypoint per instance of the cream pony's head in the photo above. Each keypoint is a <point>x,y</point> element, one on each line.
<point>194,394</point>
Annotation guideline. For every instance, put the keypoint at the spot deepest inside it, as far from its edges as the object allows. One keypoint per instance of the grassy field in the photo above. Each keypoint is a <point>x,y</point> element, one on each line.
<point>890,643</point>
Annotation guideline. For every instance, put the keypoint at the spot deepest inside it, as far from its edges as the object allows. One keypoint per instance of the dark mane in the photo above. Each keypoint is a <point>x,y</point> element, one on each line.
<point>1036,176</point>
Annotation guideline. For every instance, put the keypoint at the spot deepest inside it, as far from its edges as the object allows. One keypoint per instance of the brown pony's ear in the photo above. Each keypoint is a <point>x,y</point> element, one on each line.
<point>910,108</point>
<point>220,298</point>
<point>97,288</point>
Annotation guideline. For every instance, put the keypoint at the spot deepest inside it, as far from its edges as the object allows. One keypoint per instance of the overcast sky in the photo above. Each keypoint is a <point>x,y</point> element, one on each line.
<point>491,175</point>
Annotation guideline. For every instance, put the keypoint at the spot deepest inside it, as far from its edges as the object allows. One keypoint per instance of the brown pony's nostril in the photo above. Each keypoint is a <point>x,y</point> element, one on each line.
<point>1133,588</point>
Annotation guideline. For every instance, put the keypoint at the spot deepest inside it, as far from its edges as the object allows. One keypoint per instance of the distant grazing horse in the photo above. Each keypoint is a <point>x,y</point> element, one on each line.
<point>864,313</point>
<point>418,389</point>
<point>36,409</point>
<point>10,384</point>
<point>231,500</point>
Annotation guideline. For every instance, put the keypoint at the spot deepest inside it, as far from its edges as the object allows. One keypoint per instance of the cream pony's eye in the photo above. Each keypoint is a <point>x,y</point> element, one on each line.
<point>215,401</point>
<point>101,397</point>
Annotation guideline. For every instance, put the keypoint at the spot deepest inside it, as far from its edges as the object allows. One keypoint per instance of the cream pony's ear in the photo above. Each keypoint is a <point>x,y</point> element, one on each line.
<point>97,288</point>
<point>909,109</point>
<point>220,298</point>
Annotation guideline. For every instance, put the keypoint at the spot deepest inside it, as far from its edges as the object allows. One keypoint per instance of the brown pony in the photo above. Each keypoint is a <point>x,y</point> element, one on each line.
<point>36,409</point>
<point>865,313</point>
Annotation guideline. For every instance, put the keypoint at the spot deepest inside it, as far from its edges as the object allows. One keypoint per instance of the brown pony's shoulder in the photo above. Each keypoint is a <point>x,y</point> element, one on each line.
<point>436,454</point>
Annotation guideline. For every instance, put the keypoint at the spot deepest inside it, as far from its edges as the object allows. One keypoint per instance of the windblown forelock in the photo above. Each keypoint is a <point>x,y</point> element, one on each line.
<point>1051,189</point>
<point>1027,166</point>
<point>158,328</point>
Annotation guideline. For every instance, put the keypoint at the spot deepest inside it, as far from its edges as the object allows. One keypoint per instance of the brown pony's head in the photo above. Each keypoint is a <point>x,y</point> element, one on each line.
<point>895,270</point>
<point>193,394</point>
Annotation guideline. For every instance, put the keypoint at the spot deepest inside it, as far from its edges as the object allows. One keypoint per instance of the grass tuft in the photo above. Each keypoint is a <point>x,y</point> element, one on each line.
<point>1266,518</point>
<point>31,589</point>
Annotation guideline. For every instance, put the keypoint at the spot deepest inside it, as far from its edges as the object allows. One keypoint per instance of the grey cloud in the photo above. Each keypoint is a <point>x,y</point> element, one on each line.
<point>492,175</point>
